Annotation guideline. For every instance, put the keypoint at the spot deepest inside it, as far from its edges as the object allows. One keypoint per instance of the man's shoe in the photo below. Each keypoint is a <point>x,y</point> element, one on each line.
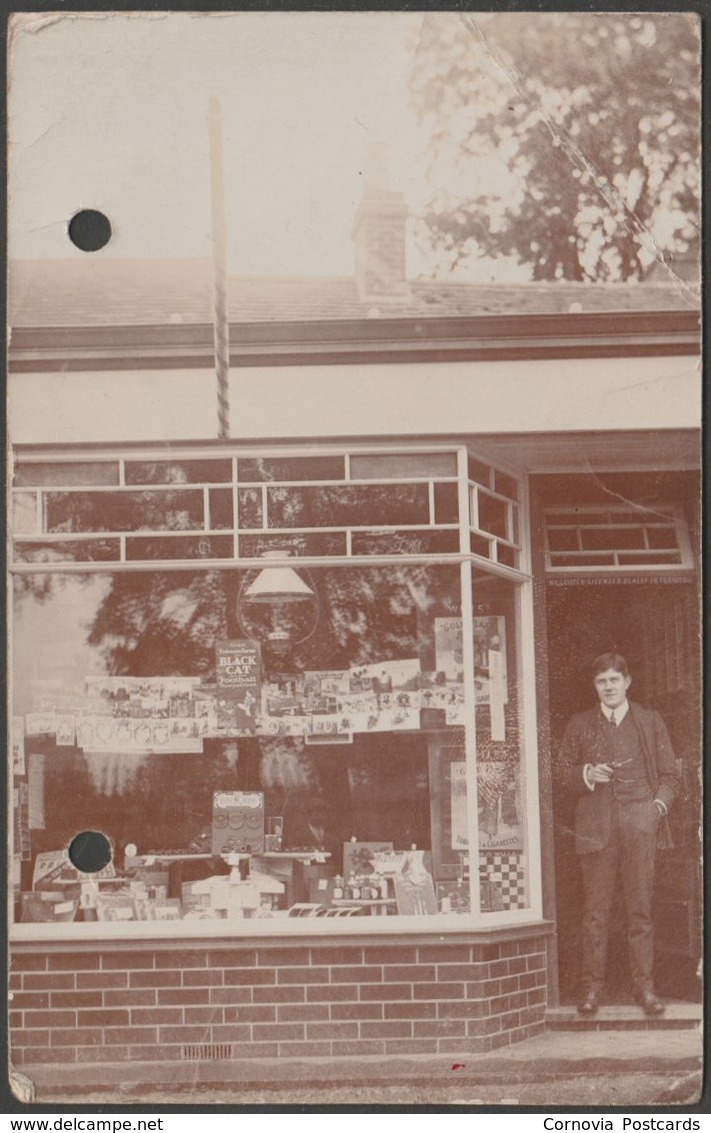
<point>650,1004</point>
<point>589,1005</point>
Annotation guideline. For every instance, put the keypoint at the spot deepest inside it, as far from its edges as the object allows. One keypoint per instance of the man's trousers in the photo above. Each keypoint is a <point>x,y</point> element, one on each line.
<point>626,861</point>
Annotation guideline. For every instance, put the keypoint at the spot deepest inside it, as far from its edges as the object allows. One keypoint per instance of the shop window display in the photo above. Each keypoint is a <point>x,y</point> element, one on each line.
<point>269,742</point>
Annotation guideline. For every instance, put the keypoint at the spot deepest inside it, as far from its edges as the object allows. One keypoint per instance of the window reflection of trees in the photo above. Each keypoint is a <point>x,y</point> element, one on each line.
<point>163,623</point>
<point>348,505</point>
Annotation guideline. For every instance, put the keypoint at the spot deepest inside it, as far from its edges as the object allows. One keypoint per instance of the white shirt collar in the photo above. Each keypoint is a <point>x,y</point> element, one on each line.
<point>620,712</point>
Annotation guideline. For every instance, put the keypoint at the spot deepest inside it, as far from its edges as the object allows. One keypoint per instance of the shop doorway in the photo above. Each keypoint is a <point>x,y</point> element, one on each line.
<point>654,623</point>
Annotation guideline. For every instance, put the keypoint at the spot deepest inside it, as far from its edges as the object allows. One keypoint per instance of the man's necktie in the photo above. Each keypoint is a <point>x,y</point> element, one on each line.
<point>613,721</point>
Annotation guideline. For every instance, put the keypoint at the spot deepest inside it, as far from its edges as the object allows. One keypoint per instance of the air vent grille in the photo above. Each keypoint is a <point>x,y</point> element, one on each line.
<point>206,1052</point>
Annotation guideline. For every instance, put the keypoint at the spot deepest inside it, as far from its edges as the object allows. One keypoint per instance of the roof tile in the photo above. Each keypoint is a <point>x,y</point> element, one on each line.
<point>128,292</point>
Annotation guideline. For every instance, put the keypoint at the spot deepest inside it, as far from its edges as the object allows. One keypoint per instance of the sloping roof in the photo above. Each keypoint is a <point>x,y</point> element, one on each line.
<point>91,292</point>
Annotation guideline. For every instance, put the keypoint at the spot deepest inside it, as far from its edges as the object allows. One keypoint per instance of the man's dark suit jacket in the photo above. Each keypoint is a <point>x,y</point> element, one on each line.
<point>584,742</point>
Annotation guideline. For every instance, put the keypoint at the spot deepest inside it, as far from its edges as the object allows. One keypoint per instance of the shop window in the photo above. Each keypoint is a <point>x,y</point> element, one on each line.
<point>506,555</point>
<point>493,516</point>
<point>250,503</point>
<point>408,542</point>
<point>503,862</point>
<point>266,469</point>
<point>446,501</point>
<point>480,546</point>
<point>479,472</point>
<point>124,511</point>
<point>505,485</point>
<point>128,722</point>
<point>67,473</point>
<point>352,505</point>
<point>139,548</point>
<point>396,466</point>
<point>497,822</point>
<point>318,544</point>
<point>220,509</point>
<point>24,513</point>
<point>262,737</point>
<point>495,526</point>
<point>178,471</point>
<point>286,494</point>
<point>78,551</point>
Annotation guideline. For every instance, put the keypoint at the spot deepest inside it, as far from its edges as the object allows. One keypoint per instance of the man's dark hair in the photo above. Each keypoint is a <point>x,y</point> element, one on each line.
<point>610,661</point>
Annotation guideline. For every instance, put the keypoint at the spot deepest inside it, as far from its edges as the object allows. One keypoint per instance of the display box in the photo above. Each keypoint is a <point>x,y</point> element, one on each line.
<point>119,907</point>
<point>48,907</point>
<point>153,879</point>
<point>193,902</point>
<point>360,857</point>
<point>238,822</point>
<point>289,871</point>
<point>319,880</point>
<point>53,868</point>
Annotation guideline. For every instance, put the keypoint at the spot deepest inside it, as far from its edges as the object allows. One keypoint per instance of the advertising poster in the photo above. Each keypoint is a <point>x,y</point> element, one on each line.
<point>65,731</point>
<point>382,697</point>
<point>489,636</point>
<point>448,648</point>
<point>497,693</point>
<point>498,806</point>
<point>18,745</point>
<point>120,734</point>
<point>40,723</point>
<point>239,677</point>
<point>460,834</point>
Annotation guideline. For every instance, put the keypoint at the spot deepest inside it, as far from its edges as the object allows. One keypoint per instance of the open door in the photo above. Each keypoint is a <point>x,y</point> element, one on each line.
<point>655,625</point>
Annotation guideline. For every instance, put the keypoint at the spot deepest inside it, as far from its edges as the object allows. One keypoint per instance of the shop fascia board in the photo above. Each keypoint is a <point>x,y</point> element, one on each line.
<point>516,453</point>
<point>321,342</point>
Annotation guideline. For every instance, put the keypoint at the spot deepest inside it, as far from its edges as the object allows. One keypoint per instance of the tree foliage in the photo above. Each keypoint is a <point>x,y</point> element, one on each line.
<point>567,141</point>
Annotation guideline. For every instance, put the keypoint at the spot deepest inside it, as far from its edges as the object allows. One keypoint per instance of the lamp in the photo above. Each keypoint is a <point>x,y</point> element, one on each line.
<point>277,606</point>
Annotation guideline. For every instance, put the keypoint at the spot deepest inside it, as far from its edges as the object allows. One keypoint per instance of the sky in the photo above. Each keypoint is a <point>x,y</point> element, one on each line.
<point>109,111</point>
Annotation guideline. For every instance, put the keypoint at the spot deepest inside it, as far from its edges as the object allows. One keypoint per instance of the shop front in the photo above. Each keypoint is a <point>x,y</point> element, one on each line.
<point>292,690</point>
<point>292,687</point>
<point>310,692</point>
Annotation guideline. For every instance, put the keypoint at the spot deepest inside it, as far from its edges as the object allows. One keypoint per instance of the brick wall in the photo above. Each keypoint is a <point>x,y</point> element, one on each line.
<point>266,1001</point>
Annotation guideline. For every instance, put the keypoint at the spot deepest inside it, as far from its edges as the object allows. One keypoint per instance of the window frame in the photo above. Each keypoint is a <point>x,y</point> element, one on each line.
<point>674,519</point>
<point>520,575</point>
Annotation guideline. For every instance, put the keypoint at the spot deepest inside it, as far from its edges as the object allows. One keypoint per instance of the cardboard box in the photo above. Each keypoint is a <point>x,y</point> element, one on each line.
<point>319,879</point>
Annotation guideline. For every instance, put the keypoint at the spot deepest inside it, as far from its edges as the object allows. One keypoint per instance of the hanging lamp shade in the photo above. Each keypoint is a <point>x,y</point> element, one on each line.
<point>274,583</point>
<point>278,606</point>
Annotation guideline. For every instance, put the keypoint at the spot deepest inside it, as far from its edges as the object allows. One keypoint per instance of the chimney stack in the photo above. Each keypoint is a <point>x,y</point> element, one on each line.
<point>379,234</point>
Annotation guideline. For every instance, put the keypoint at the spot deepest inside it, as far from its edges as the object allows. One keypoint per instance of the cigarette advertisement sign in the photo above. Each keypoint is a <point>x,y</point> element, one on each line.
<point>239,678</point>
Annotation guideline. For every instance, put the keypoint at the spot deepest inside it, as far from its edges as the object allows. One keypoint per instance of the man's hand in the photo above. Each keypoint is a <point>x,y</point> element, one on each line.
<point>598,773</point>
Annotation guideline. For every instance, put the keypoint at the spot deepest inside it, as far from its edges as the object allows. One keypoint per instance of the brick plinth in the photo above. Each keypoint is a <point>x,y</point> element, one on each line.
<point>321,999</point>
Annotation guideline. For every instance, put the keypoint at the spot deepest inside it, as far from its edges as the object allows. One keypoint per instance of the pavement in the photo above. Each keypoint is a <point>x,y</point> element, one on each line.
<point>579,1068</point>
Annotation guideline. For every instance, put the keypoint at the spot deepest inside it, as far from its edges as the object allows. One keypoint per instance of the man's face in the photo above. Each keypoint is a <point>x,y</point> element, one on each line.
<point>611,687</point>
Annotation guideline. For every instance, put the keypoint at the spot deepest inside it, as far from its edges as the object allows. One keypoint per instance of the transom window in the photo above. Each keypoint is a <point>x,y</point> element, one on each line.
<point>615,538</point>
<point>333,505</point>
<point>347,505</point>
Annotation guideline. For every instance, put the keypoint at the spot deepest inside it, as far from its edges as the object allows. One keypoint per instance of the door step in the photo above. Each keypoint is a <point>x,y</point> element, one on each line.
<point>677,1016</point>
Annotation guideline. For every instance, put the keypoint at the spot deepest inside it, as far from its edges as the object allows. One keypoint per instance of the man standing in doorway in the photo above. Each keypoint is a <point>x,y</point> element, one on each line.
<point>619,760</point>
